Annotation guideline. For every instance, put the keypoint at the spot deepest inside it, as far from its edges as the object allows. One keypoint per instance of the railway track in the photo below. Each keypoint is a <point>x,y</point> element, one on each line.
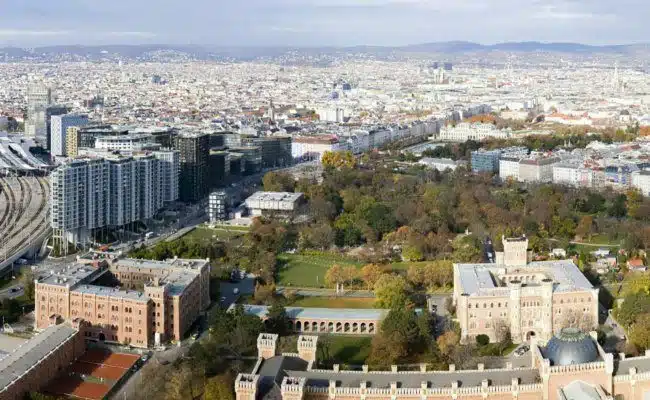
<point>5,191</point>
<point>39,216</point>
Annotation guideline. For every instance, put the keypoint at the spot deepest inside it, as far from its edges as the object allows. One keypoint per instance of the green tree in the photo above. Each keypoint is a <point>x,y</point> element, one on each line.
<point>391,291</point>
<point>219,388</point>
<point>412,253</point>
<point>338,160</point>
<point>467,249</point>
<point>27,281</point>
<point>633,305</point>
<point>638,332</point>
<point>370,274</point>
<point>277,320</point>
<point>278,182</point>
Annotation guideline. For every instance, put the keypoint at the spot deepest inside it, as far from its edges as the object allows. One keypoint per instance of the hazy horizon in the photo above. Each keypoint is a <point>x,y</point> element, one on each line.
<point>317,23</point>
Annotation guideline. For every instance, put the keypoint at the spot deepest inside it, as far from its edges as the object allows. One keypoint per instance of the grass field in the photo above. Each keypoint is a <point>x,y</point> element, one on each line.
<point>353,350</point>
<point>334,302</point>
<point>307,270</point>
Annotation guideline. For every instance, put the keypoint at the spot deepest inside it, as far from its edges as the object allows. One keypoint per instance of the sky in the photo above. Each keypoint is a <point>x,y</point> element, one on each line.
<point>320,22</point>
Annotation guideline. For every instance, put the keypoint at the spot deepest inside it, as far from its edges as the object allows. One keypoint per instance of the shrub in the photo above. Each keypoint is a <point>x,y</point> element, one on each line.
<point>482,340</point>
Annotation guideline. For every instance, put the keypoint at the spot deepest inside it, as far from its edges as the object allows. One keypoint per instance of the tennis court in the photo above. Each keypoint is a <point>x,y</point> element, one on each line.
<point>76,387</point>
<point>92,375</point>
<point>119,360</point>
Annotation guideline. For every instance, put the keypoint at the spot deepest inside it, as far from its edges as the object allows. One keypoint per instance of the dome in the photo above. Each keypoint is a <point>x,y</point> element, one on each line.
<point>571,346</point>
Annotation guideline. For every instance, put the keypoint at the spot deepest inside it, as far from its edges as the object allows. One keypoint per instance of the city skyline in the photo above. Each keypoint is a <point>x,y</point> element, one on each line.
<point>320,22</point>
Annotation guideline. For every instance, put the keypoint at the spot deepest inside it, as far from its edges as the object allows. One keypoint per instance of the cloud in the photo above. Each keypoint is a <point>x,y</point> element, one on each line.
<point>321,22</point>
<point>25,32</point>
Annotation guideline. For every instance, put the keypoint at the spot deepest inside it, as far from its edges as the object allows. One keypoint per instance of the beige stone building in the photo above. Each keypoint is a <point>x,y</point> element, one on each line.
<point>571,366</point>
<point>156,300</point>
<point>531,299</point>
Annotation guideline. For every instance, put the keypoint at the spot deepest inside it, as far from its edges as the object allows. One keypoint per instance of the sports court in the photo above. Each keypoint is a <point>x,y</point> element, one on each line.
<point>92,375</point>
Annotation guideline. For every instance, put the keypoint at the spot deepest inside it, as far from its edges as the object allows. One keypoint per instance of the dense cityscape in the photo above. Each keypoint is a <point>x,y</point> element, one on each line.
<point>445,221</point>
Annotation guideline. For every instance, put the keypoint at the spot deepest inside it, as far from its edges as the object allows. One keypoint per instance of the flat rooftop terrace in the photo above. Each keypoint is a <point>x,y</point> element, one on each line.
<point>566,276</point>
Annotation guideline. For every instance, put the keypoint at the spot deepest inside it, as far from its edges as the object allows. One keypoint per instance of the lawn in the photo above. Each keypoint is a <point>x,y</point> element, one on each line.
<point>203,234</point>
<point>352,350</point>
<point>308,270</point>
<point>334,302</point>
<point>301,270</point>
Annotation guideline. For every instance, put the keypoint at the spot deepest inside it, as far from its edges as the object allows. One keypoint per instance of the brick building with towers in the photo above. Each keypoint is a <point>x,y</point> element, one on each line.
<point>570,366</point>
<point>121,300</point>
<point>530,299</point>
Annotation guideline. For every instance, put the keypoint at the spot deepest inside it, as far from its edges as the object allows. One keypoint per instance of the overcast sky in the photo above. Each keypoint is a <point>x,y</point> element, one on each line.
<point>320,22</point>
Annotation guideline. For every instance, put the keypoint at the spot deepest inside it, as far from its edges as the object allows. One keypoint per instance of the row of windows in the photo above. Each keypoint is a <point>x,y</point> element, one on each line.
<point>527,303</point>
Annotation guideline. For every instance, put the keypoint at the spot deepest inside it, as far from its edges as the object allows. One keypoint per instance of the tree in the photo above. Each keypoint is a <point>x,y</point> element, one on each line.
<point>219,387</point>
<point>402,337</point>
<point>633,305</point>
<point>412,253</point>
<point>319,236</point>
<point>278,182</point>
<point>27,281</point>
<point>184,383</point>
<point>370,274</point>
<point>638,332</point>
<point>391,292</point>
<point>447,342</point>
<point>338,160</point>
<point>585,227</point>
<point>277,320</point>
<point>467,249</point>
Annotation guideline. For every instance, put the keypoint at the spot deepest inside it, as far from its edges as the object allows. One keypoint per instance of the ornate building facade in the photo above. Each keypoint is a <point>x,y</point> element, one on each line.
<point>570,366</point>
<point>531,299</point>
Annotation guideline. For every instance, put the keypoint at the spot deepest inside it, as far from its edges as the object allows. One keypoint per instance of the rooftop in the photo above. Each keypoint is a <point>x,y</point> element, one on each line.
<point>70,275</point>
<point>566,276</point>
<point>274,196</point>
<point>112,292</point>
<point>32,352</point>
<point>323,313</point>
<point>441,379</point>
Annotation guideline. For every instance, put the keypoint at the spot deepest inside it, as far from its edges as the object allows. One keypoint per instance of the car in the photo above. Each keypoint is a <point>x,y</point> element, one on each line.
<point>144,358</point>
<point>223,299</point>
<point>195,335</point>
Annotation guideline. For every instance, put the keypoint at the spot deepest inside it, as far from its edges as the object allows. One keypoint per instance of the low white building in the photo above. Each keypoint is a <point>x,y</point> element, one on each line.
<point>313,147</point>
<point>274,203</point>
<point>440,164</point>
<point>465,131</point>
<point>641,181</point>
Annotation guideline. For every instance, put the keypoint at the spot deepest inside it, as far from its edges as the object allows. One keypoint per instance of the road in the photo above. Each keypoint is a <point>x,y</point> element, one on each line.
<point>245,286</point>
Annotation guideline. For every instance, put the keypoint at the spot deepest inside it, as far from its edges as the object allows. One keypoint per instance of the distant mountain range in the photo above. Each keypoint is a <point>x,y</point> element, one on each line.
<point>243,52</point>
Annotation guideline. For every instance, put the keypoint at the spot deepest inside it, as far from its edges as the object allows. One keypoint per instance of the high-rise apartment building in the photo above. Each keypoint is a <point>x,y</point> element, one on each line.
<point>39,97</point>
<point>92,193</point>
<point>60,125</point>
<point>194,149</point>
<point>169,173</point>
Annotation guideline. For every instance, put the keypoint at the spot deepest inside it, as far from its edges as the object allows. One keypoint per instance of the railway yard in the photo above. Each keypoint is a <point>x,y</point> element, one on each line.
<point>23,212</point>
